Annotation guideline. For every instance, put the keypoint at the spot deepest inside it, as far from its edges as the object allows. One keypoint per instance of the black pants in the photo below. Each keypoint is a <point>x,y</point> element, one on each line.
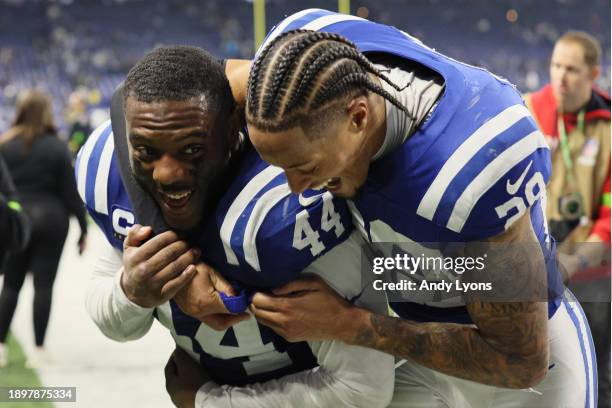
<point>41,257</point>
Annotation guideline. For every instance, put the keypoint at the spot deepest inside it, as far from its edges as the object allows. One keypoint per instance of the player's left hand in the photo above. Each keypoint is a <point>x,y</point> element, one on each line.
<point>184,377</point>
<point>200,299</point>
<point>304,309</point>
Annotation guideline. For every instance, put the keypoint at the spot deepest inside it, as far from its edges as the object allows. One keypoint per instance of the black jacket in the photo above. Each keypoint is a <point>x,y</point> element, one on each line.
<point>14,226</point>
<point>43,174</point>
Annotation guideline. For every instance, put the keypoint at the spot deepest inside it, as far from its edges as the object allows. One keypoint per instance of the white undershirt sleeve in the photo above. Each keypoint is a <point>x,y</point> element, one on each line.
<point>116,316</point>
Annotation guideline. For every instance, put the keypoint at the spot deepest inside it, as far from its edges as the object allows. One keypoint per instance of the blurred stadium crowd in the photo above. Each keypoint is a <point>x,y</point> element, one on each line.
<point>79,50</point>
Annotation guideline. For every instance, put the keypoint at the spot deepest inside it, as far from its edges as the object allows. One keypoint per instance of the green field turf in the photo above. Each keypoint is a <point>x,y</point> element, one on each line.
<point>15,374</point>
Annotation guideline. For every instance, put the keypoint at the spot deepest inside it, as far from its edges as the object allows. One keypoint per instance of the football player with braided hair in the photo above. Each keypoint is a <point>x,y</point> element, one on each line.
<point>429,150</point>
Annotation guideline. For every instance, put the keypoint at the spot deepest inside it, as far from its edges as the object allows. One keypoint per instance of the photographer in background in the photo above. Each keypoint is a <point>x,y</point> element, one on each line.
<point>575,117</point>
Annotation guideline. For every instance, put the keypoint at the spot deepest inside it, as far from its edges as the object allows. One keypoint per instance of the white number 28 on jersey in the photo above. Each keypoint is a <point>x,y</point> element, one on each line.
<point>535,189</point>
<point>305,236</point>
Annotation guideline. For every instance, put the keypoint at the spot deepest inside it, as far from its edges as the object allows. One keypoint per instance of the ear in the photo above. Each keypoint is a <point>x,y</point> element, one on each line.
<point>595,73</point>
<point>235,123</point>
<point>358,111</point>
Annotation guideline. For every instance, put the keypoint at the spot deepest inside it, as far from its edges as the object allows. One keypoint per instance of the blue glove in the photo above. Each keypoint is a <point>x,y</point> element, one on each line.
<point>238,303</point>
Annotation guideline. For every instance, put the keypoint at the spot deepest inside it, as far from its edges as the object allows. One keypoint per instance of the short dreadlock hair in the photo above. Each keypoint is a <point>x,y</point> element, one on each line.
<point>303,77</point>
<point>178,73</point>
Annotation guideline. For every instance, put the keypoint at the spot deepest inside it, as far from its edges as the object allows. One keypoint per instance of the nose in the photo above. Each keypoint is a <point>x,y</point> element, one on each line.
<point>168,170</point>
<point>297,182</point>
<point>560,73</point>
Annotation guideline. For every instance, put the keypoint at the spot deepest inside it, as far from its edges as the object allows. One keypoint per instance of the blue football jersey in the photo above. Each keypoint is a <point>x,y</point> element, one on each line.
<point>263,236</point>
<point>474,166</point>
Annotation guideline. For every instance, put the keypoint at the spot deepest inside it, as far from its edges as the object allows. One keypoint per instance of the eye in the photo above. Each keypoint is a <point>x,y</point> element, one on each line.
<point>192,149</point>
<point>145,153</point>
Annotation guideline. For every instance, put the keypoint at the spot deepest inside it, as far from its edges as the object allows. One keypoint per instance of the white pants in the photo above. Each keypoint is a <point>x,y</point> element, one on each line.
<point>571,381</point>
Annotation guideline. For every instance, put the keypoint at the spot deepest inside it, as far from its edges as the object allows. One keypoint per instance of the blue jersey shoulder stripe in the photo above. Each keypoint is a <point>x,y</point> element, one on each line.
<point>238,234</point>
<point>103,176</point>
<point>491,174</point>
<point>77,164</point>
<point>460,157</point>
<point>478,162</point>
<point>329,20</point>
<point>82,165</point>
<point>264,205</point>
<point>115,183</point>
<point>305,17</point>
<point>311,19</point>
<point>292,22</point>
<point>238,206</point>
<point>92,166</point>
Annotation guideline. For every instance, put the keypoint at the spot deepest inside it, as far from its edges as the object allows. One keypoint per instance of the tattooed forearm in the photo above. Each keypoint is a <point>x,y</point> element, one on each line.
<point>461,350</point>
<point>507,346</point>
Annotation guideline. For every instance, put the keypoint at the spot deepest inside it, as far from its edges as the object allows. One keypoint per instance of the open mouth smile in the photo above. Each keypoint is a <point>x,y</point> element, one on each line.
<point>176,199</point>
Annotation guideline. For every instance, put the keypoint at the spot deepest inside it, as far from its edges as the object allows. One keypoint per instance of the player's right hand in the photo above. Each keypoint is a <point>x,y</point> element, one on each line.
<point>155,270</point>
<point>200,299</point>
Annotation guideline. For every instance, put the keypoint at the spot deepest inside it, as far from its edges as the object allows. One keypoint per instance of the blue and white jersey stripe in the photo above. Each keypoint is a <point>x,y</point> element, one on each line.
<point>587,347</point>
<point>464,153</point>
<point>490,174</point>
<point>260,211</point>
<point>258,200</point>
<point>239,205</point>
<point>101,184</point>
<point>93,167</point>
<point>259,220</point>
<point>310,19</point>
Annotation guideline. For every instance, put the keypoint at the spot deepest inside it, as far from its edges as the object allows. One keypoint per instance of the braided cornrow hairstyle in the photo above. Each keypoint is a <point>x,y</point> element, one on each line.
<point>302,72</point>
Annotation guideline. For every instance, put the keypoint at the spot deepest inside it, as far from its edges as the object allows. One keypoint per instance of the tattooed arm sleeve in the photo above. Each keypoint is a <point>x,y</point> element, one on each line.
<point>508,344</point>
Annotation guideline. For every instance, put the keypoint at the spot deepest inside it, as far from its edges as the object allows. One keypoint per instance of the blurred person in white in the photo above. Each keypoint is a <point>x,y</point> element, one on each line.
<point>575,117</point>
<point>40,165</point>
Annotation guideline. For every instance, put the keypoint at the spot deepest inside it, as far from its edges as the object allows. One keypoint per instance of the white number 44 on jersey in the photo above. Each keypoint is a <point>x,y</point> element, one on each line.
<point>305,236</point>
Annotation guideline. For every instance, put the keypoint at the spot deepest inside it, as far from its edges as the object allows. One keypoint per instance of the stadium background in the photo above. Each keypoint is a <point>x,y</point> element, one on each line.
<point>79,51</point>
